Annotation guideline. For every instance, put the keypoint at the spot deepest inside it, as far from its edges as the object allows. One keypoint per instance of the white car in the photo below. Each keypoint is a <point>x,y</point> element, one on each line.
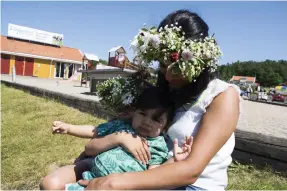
<point>262,96</point>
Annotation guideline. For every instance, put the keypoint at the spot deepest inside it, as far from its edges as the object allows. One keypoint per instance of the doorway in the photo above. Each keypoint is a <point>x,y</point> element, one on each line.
<point>5,63</point>
<point>59,70</point>
<point>29,66</point>
<point>19,65</point>
<point>71,70</point>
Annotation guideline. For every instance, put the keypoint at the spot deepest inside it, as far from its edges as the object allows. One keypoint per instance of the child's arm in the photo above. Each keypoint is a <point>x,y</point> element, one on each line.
<point>82,131</point>
<point>101,144</point>
<point>136,145</point>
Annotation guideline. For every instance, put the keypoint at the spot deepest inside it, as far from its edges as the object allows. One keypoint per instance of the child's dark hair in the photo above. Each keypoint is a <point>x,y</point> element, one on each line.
<point>156,98</point>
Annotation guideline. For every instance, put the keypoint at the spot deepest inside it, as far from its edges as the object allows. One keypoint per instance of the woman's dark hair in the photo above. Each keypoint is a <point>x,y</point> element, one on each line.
<point>156,98</point>
<point>195,28</point>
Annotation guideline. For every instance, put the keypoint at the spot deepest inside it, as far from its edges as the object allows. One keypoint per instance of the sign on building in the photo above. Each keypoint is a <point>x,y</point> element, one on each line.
<point>26,33</point>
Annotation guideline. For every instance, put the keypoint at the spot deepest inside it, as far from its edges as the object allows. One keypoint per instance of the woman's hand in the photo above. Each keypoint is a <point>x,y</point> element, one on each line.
<point>136,145</point>
<point>102,183</point>
<point>180,153</point>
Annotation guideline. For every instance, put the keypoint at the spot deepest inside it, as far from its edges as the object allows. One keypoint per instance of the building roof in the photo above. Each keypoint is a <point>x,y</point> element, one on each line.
<point>118,49</point>
<point>25,48</point>
<point>92,57</point>
<point>248,79</point>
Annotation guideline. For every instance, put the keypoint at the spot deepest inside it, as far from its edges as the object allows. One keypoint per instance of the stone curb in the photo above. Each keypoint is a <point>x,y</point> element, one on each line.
<point>250,147</point>
<point>84,105</point>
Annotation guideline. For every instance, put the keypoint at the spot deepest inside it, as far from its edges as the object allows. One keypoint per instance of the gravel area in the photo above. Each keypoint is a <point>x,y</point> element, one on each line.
<point>263,118</point>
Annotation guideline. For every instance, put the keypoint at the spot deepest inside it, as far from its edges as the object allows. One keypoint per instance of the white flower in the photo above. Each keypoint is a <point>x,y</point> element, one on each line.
<point>207,54</point>
<point>182,66</point>
<point>155,41</point>
<point>187,55</point>
<point>146,39</point>
<point>134,45</point>
<point>127,99</point>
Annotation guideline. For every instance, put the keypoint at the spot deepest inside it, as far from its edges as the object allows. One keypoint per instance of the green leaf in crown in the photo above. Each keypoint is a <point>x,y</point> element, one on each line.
<point>118,93</point>
<point>168,45</point>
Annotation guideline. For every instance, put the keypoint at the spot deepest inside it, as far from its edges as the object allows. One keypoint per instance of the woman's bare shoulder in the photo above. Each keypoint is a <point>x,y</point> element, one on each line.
<point>227,98</point>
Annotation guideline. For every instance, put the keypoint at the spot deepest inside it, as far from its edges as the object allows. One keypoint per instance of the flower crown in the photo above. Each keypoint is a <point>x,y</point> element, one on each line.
<point>170,47</point>
<point>119,93</point>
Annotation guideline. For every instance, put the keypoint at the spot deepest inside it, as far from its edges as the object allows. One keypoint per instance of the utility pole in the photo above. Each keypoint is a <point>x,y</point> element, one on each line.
<point>13,74</point>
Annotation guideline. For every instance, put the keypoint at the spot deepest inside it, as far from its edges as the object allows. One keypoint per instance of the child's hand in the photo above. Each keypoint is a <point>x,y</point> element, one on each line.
<point>135,145</point>
<point>60,127</point>
<point>181,153</point>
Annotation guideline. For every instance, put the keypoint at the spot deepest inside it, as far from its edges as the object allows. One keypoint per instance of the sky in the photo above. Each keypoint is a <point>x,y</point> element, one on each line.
<point>244,30</point>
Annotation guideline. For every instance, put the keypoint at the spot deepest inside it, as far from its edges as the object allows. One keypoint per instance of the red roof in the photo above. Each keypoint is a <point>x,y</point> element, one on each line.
<point>248,79</point>
<point>20,46</point>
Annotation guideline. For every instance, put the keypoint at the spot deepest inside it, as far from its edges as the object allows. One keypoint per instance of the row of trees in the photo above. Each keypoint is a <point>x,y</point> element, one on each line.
<point>268,73</point>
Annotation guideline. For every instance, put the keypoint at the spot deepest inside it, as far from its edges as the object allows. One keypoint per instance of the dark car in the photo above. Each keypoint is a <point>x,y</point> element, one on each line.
<point>278,97</point>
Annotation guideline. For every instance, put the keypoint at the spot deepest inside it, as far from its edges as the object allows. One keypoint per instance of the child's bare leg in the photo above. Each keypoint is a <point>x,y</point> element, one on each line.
<point>64,175</point>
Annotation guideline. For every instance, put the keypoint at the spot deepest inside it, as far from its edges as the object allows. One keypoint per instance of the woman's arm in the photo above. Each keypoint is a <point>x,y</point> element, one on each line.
<point>217,125</point>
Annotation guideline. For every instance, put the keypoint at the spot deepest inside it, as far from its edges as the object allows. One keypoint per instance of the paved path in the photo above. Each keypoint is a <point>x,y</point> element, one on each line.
<point>71,88</point>
<point>256,117</point>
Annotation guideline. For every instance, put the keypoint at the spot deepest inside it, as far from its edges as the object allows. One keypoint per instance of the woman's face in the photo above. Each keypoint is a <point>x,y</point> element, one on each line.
<point>175,81</point>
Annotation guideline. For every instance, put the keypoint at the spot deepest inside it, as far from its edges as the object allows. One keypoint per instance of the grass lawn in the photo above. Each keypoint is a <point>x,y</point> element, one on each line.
<point>30,151</point>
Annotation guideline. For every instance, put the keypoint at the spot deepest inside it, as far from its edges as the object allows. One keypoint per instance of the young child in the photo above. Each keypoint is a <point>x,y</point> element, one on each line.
<point>153,115</point>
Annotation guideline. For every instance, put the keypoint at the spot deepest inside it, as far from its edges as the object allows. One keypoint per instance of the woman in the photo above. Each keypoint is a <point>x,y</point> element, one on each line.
<point>207,108</point>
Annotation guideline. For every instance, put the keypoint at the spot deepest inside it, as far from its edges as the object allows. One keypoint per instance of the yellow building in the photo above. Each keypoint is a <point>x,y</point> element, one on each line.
<point>38,59</point>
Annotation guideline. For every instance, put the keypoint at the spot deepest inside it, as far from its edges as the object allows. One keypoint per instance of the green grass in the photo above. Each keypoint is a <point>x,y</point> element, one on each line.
<point>250,177</point>
<point>30,151</point>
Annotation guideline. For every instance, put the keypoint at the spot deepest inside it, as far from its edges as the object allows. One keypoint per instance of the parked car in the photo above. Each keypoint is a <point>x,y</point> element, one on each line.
<point>278,97</point>
<point>262,96</point>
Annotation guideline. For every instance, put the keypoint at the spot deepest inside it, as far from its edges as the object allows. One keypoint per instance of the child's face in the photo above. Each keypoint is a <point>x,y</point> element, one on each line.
<point>147,124</point>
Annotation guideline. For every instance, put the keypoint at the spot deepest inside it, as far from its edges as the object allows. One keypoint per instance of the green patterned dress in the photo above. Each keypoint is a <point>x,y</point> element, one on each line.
<point>118,160</point>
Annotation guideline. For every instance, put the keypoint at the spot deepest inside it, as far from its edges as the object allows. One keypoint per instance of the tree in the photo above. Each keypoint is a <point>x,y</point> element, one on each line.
<point>103,62</point>
<point>267,73</point>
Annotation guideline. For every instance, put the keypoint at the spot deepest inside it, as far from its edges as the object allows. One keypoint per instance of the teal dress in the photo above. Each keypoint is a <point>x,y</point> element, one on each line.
<point>118,160</point>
